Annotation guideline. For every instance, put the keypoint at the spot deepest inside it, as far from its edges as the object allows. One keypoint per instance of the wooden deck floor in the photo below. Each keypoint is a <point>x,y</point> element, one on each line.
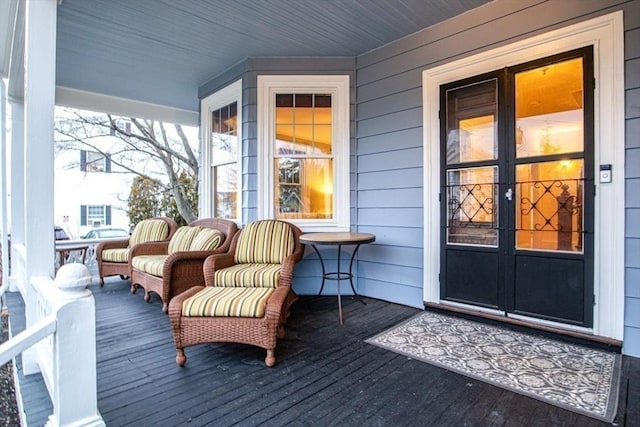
<point>325,375</point>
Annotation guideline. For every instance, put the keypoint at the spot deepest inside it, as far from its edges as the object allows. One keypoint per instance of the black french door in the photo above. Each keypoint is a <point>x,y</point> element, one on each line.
<point>517,189</point>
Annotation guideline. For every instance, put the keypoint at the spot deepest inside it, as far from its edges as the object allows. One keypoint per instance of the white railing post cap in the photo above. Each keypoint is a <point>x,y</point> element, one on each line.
<point>73,277</point>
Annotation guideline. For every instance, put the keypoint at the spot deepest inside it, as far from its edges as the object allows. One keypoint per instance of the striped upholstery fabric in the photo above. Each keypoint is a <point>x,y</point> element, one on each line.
<point>182,238</point>
<point>248,276</point>
<point>116,255</point>
<point>227,302</point>
<point>207,239</point>
<point>265,242</point>
<point>149,230</point>
<point>151,264</point>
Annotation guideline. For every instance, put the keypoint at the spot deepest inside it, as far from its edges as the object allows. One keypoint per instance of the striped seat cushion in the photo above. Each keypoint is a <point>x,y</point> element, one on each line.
<point>149,230</point>
<point>116,255</point>
<point>248,276</point>
<point>266,242</point>
<point>182,238</point>
<point>227,302</point>
<point>151,264</point>
<point>207,239</point>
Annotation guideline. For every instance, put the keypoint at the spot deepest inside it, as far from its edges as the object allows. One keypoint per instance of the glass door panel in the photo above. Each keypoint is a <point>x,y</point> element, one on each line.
<point>551,196</point>
<point>471,123</point>
<point>472,206</point>
<point>549,109</point>
<point>471,171</point>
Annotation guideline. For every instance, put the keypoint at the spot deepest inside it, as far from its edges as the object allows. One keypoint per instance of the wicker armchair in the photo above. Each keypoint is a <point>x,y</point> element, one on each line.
<point>247,295</point>
<point>113,255</point>
<point>170,268</point>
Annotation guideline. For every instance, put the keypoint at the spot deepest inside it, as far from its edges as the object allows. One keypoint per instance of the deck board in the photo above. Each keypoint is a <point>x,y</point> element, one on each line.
<point>325,375</point>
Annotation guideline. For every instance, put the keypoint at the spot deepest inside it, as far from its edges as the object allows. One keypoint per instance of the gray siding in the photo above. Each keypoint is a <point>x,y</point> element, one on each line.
<point>390,133</point>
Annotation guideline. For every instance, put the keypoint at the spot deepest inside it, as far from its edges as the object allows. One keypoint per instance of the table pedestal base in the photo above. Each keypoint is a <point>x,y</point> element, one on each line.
<point>339,276</point>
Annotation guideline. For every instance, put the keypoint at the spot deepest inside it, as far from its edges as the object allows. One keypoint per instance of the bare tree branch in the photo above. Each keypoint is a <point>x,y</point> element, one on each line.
<point>140,144</point>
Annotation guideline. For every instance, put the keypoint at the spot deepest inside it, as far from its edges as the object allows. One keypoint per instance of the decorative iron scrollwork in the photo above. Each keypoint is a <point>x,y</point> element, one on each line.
<point>473,206</point>
<point>551,207</point>
<point>548,194</point>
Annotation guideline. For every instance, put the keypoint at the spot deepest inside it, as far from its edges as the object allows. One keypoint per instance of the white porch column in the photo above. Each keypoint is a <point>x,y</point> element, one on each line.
<point>40,80</point>
<point>39,103</point>
<point>17,211</point>
<point>3,189</point>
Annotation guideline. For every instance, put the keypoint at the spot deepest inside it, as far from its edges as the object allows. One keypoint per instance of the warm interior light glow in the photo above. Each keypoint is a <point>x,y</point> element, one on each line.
<point>476,138</point>
<point>304,145</point>
<point>549,89</point>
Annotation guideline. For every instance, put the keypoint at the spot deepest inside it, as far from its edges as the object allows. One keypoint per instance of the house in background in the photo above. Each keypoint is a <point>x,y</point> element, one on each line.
<point>88,194</point>
<point>493,149</point>
<point>92,186</point>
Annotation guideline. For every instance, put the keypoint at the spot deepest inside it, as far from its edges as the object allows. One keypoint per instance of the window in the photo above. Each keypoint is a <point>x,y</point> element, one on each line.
<point>303,124</point>
<point>224,160</point>
<point>92,161</point>
<point>122,125</point>
<point>95,215</point>
<point>221,125</point>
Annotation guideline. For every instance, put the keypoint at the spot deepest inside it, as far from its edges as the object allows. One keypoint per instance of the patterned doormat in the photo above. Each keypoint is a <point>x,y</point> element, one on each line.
<point>573,377</point>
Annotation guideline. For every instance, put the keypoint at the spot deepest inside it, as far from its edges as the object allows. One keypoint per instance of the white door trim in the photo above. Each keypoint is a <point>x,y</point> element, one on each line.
<point>606,34</point>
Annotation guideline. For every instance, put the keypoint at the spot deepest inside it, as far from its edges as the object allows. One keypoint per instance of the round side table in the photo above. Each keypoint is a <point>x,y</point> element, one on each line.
<point>339,240</point>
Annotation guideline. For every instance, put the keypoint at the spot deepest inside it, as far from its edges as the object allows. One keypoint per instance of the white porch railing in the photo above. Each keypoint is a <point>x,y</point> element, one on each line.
<point>76,250</point>
<point>63,336</point>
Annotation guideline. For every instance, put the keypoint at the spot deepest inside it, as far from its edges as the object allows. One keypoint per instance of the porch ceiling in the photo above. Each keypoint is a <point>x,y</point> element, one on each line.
<point>161,51</point>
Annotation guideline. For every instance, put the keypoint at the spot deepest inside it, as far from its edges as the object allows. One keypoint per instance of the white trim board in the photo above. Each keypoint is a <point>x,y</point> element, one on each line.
<point>92,101</point>
<point>606,34</point>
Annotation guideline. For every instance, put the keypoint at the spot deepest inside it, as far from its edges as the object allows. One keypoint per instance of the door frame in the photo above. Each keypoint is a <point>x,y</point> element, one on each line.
<point>606,35</point>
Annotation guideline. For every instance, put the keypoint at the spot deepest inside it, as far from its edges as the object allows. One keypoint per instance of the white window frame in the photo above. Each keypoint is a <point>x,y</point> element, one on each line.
<point>224,97</point>
<point>91,221</point>
<point>338,87</point>
<point>606,35</point>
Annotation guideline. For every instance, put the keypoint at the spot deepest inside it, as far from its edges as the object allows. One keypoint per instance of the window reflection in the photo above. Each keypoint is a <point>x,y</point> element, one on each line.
<point>303,156</point>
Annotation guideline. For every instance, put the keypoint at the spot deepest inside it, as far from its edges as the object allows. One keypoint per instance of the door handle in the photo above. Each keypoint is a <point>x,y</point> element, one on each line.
<point>509,194</point>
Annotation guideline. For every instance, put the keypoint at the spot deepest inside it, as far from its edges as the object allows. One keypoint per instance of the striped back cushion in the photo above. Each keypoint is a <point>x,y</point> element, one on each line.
<point>248,276</point>
<point>149,230</point>
<point>265,242</point>
<point>207,239</point>
<point>182,238</point>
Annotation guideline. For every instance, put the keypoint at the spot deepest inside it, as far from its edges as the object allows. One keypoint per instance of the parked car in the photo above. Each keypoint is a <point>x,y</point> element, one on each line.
<point>106,233</point>
<point>60,233</point>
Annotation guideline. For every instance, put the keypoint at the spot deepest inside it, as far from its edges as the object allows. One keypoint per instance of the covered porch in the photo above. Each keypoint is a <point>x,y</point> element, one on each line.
<point>326,375</point>
<point>162,60</point>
